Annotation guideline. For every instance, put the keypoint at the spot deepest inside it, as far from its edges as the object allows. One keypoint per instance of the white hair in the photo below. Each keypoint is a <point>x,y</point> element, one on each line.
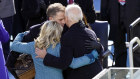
<point>74,12</point>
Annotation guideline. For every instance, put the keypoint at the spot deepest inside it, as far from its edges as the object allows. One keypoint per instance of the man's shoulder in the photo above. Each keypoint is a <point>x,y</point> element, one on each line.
<point>66,35</point>
<point>90,31</point>
<point>36,26</point>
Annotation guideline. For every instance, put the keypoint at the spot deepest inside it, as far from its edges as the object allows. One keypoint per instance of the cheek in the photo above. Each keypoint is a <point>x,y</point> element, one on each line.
<point>59,21</point>
<point>66,20</point>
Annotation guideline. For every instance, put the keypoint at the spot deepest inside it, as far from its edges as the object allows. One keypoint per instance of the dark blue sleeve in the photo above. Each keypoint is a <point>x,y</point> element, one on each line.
<point>32,34</point>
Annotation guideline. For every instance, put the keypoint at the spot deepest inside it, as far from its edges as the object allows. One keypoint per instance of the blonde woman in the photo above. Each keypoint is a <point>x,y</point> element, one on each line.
<point>49,39</point>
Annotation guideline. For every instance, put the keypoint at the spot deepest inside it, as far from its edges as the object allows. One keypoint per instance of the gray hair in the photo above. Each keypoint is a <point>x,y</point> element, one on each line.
<point>74,12</point>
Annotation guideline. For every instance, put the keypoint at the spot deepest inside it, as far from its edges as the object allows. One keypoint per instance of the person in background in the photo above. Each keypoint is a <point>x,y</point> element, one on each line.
<point>18,19</point>
<point>72,45</point>
<point>7,10</point>
<point>49,39</point>
<point>120,14</point>
<point>33,11</point>
<point>4,37</point>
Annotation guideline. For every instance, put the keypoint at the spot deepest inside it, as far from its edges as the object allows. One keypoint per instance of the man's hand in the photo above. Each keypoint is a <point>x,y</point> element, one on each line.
<point>92,45</point>
<point>40,53</point>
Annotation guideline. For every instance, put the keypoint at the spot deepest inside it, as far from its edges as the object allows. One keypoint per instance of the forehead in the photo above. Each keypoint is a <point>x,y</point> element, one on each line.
<point>60,15</point>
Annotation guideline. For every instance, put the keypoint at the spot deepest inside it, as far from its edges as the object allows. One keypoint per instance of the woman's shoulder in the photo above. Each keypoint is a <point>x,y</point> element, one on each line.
<point>54,51</point>
<point>56,47</point>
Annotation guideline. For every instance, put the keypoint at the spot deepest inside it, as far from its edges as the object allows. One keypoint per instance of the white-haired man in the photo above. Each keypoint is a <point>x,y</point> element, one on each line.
<point>72,45</point>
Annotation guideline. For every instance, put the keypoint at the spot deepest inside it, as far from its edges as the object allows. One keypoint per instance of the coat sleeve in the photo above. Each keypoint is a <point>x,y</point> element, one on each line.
<point>4,36</point>
<point>18,46</point>
<point>84,60</point>
<point>79,62</point>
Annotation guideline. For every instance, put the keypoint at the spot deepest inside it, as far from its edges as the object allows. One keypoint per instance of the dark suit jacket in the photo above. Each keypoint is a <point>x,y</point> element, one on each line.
<point>72,45</point>
<point>110,12</point>
<point>86,5</point>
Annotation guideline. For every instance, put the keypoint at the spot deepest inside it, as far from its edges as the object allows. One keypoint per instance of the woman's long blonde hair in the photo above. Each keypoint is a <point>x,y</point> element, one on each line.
<point>50,34</point>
